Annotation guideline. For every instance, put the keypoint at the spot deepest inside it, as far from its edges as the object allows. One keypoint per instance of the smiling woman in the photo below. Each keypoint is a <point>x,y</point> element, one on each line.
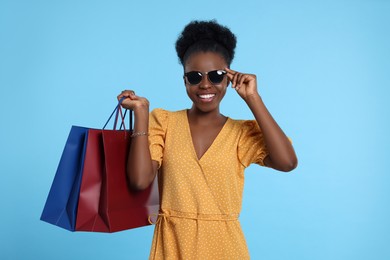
<point>201,154</point>
<point>206,95</point>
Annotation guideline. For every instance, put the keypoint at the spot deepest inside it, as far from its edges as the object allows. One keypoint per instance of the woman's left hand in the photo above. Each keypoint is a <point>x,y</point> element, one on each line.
<point>245,84</point>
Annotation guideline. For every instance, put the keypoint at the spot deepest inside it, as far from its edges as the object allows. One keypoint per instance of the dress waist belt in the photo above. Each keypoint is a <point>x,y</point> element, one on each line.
<point>165,215</point>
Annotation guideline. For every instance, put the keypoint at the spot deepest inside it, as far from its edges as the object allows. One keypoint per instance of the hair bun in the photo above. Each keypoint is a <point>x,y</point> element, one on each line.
<point>203,32</point>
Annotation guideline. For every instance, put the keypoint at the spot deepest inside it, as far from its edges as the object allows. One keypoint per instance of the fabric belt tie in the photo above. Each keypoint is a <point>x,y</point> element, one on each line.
<point>194,216</point>
<point>163,217</point>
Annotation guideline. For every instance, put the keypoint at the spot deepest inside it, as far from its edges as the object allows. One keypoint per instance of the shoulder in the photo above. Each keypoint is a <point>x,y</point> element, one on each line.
<point>164,112</point>
<point>158,111</point>
<point>245,125</point>
<point>245,129</point>
<point>160,114</point>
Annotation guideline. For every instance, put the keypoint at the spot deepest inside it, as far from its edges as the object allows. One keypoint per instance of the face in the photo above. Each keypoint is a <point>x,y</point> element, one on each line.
<point>206,95</point>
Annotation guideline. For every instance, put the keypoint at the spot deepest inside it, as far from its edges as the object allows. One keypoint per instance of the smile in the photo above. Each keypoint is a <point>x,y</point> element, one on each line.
<point>206,97</point>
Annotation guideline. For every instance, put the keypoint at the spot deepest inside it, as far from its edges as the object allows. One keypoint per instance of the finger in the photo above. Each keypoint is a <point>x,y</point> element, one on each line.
<point>244,78</point>
<point>239,79</point>
<point>230,73</point>
<point>126,93</point>
<point>228,70</point>
<point>128,103</point>
<point>238,86</point>
<point>234,81</point>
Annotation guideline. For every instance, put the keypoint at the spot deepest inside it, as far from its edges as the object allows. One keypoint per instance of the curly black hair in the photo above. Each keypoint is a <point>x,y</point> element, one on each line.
<point>204,36</point>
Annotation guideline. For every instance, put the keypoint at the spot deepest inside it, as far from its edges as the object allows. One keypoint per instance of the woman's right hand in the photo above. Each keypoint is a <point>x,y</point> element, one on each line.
<point>132,101</point>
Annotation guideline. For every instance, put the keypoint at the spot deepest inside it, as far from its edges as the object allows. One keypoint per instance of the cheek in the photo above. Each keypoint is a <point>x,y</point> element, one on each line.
<point>189,93</point>
<point>224,91</point>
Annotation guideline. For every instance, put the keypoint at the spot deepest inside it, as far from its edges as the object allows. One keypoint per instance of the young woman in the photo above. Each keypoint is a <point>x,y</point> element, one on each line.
<point>200,154</point>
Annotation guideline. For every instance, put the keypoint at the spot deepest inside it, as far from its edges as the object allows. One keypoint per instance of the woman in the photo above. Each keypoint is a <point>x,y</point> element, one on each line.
<point>200,154</point>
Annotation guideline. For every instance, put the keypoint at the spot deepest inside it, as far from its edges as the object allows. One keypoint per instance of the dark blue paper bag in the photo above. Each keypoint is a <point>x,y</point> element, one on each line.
<point>61,204</point>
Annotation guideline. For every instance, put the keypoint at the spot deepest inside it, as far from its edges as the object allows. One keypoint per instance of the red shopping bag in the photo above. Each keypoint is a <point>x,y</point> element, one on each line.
<point>120,207</point>
<point>106,202</point>
<point>88,218</point>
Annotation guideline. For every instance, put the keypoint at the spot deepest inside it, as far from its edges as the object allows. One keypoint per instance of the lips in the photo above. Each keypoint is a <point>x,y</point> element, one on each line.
<point>206,97</point>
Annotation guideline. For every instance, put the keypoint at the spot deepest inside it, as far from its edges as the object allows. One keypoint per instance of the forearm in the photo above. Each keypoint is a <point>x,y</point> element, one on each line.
<point>281,152</point>
<point>140,170</point>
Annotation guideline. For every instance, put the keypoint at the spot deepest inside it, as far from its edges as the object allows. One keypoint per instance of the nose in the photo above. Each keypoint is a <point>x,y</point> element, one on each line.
<point>205,83</point>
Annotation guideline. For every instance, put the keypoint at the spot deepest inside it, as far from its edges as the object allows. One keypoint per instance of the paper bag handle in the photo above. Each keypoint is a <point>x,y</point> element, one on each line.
<point>118,111</point>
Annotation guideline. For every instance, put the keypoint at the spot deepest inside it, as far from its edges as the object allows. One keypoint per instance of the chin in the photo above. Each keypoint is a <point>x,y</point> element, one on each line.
<point>205,105</point>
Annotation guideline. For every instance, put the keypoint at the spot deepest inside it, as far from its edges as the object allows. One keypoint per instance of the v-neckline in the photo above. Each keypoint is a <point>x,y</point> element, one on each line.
<point>188,130</point>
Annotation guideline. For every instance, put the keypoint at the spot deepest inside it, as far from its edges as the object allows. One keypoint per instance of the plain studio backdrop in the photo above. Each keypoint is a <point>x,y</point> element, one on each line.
<point>323,72</point>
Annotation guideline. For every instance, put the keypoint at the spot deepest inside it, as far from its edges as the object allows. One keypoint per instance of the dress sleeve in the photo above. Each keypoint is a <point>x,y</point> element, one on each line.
<point>158,121</point>
<point>251,145</point>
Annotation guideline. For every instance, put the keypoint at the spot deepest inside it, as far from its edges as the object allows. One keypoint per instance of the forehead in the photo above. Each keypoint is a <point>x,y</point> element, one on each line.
<point>205,61</point>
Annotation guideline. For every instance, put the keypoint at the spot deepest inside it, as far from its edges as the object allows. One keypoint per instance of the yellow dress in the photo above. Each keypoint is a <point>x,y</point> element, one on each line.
<point>200,199</point>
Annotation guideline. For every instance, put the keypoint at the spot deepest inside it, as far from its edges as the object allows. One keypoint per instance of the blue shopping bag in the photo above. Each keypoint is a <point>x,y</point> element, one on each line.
<point>61,204</point>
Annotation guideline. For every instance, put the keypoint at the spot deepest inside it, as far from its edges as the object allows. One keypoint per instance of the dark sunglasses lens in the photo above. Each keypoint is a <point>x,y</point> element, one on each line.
<point>194,77</point>
<point>216,76</point>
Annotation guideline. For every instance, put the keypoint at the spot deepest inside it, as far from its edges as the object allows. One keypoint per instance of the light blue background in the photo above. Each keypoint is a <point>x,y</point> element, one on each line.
<point>323,70</point>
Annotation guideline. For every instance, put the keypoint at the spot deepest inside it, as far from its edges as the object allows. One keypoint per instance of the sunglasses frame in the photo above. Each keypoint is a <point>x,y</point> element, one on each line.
<point>208,77</point>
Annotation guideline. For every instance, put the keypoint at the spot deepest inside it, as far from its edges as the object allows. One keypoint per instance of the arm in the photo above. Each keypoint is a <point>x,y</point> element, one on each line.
<point>281,153</point>
<point>141,170</point>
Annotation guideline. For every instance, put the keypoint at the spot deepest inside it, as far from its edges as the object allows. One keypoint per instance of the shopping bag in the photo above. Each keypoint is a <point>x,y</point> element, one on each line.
<point>106,202</point>
<point>61,205</point>
<point>80,198</point>
<point>88,218</point>
<point>120,207</point>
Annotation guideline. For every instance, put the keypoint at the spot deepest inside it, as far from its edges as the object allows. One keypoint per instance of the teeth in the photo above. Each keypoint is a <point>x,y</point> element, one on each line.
<point>207,96</point>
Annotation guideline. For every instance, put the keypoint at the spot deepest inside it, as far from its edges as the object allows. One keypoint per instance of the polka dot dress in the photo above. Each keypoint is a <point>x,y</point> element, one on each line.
<point>201,198</point>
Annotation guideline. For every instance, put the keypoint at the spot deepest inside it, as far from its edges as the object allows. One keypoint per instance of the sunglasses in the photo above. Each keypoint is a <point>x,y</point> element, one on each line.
<point>214,76</point>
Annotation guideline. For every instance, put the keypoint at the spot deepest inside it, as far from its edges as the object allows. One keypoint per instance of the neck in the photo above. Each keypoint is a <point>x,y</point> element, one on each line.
<point>197,116</point>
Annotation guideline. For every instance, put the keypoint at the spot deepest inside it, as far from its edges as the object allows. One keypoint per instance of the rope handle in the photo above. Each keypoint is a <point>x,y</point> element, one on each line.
<point>118,111</point>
